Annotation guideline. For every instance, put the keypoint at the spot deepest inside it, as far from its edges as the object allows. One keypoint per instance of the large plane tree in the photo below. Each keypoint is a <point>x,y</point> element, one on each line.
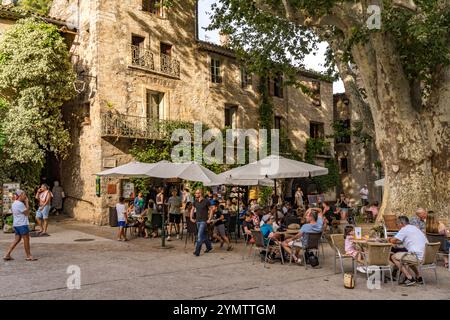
<point>400,51</point>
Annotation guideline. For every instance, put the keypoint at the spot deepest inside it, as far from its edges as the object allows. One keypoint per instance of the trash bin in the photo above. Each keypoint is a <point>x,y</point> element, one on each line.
<point>113,217</point>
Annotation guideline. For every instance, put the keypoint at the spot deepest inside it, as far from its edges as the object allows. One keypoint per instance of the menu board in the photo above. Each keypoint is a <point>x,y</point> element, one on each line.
<point>127,189</point>
<point>8,192</point>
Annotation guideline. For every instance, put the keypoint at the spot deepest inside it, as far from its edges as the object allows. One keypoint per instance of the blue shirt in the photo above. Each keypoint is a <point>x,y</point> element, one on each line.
<point>266,229</point>
<point>311,228</point>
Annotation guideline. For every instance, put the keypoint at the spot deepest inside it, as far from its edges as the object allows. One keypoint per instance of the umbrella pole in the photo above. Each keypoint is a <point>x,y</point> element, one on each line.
<point>163,233</point>
<point>238,212</point>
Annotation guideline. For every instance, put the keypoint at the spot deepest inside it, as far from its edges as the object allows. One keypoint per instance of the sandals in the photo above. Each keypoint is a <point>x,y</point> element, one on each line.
<point>31,259</point>
<point>8,258</point>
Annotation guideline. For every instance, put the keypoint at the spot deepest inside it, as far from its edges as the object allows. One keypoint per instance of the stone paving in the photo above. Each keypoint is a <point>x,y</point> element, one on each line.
<point>139,269</point>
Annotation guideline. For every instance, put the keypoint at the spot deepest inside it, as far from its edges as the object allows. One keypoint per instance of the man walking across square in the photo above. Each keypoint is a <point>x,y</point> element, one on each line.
<point>201,207</point>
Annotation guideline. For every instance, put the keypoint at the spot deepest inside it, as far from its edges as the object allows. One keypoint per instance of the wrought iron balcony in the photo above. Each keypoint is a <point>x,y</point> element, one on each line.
<point>134,127</point>
<point>143,58</point>
<point>170,65</point>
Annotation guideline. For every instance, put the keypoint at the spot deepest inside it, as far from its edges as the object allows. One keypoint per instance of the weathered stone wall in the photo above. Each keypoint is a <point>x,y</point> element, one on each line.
<point>103,50</point>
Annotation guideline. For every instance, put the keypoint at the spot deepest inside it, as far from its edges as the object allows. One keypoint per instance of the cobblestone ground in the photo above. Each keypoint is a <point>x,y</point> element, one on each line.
<point>138,269</point>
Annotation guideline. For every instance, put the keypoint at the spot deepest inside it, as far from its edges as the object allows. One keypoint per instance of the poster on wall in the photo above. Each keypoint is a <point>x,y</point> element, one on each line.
<point>127,189</point>
<point>8,192</point>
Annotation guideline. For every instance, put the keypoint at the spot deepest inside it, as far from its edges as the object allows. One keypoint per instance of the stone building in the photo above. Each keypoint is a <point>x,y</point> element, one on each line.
<point>357,162</point>
<point>139,66</point>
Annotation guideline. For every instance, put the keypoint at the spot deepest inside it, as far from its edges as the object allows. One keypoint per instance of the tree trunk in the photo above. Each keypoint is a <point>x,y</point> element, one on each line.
<point>413,144</point>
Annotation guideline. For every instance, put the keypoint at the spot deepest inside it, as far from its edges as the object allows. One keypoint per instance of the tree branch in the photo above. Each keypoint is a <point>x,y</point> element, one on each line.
<point>406,4</point>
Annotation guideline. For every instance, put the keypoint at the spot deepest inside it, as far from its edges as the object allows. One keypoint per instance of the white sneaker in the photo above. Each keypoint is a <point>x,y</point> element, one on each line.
<point>362,269</point>
<point>168,238</point>
<point>178,236</point>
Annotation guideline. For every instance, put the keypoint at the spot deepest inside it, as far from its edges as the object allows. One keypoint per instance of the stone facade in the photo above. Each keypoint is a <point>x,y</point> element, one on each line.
<point>357,163</point>
<point>117,56</point>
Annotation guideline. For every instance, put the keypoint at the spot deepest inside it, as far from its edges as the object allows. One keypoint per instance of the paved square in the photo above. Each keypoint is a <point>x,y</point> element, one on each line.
<point>139,270</point>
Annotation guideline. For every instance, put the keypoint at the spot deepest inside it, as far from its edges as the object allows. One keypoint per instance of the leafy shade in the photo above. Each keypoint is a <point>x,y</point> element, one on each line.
<point>36,78</point>
<point>38,6</point>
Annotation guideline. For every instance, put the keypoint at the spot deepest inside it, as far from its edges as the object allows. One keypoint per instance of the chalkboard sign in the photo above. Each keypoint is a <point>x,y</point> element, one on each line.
<point>8,192</point>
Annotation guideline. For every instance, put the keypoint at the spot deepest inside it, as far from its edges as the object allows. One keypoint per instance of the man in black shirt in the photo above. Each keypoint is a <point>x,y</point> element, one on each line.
<point>219,226</point>
<point>202,217</point>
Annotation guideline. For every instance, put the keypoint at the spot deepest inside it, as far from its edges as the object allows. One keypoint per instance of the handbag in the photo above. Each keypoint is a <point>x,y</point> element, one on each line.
<point>349,281</point>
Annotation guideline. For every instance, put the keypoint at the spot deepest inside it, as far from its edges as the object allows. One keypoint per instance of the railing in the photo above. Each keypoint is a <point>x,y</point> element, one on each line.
<point>170,65</point>
<point>135,127</point>
<point>143,58</point>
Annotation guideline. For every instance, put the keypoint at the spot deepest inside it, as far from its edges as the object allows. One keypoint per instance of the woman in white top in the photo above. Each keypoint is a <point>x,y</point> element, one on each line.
<point>299,197</point>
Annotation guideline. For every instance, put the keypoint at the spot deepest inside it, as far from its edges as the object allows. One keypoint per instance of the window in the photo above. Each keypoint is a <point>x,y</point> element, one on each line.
<point>246,78</point>
<point>231,116</point>
<point>166,49</point>
<point>343,163</point>
<point>278,122</point>
<point>276,86</point>
<point>316,130</point>
<point>153,6</point>
<point>155,105</point>
<point>137,50</point>
<point>216,76</point>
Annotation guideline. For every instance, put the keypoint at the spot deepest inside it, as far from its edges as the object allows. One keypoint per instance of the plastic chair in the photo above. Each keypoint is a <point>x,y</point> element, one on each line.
<point>260,246</point>
<point>191,232</point>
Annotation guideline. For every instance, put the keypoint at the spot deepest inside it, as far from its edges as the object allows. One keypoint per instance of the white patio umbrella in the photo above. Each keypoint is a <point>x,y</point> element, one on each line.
<point>191,171</point>
<point>275,167</point>
<point>379,183</point>
<point>241,182</point>
<point>132,170</point>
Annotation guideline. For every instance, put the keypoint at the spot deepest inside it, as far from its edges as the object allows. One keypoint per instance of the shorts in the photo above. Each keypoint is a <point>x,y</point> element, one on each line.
<point>22,230</point>
<point>122,224</point>
<point>406,257</point>
<point>43,214</point>
<point>220,230</point>
<point>297,244</point>
<point>175,218</point>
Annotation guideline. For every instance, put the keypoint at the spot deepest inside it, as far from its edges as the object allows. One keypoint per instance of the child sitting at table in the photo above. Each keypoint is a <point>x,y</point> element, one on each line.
<point>350,245</point>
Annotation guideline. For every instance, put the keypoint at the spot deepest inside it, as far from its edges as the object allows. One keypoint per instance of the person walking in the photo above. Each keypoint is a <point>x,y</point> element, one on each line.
<point>201,207</point>
<point>299,198</point>
<point>21,210</point>
<point>364,193</point>
<point>44,196</point>
<point>58,197</point>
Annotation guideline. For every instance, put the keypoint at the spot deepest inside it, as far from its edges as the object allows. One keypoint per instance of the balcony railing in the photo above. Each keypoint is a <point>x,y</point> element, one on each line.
<point>170,65</point>
<point>134,127</point>
<point>143,58</point>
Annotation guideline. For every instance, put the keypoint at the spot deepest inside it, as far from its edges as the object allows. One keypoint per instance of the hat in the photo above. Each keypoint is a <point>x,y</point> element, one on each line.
<point>266,217</point>
<point>19,192</point>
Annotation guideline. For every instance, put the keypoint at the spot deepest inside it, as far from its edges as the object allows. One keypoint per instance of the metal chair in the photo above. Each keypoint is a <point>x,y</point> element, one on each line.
<point>260,246</point>
<point>338,244</point>
<point>376,257</point>
<point>312,244</point>
<point>390,225</point>
<point>443,250</point>
<point>191,232</point>
<point>231,226</point>
<point>428,261</point>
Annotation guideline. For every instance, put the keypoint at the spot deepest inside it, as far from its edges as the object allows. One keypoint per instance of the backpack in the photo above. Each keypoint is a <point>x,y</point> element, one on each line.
<point>349,281</point>
<point>312,259</point>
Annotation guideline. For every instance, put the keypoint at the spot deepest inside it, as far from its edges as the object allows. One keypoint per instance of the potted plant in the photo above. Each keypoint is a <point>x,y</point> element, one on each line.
<point>8,227</point>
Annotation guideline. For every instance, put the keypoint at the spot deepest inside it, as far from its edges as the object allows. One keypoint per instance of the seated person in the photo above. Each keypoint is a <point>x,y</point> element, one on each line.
<point>268,234</point>
<point>332,218</point>
<point>148,220</point>
<point>419,219</point>
<point>247,227</point>
<point>374,209</point>
<point>414,241</point>
<point>350,246</point>
<point>446,232</point>
<point>314,218</point>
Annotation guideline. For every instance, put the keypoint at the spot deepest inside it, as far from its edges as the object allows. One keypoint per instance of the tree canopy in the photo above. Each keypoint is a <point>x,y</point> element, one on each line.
<point>36,78</point>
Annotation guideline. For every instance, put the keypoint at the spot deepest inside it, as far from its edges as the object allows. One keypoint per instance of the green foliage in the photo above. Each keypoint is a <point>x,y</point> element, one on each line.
<point>264,195</point>
<point>37,6</point>
<point>36,78</point>
<point>363,138</point>
<point>316,147</point>
<point>266,105</point>
<point>340,131</point>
